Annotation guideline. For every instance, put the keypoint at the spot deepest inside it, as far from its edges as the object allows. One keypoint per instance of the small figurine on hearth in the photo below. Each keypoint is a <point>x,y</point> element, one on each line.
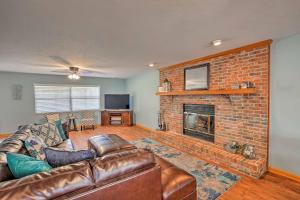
<point>232,147</point>
<point>248,151</point>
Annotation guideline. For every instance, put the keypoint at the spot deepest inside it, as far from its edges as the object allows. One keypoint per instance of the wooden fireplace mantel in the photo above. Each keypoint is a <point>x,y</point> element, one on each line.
<point>209,92</point>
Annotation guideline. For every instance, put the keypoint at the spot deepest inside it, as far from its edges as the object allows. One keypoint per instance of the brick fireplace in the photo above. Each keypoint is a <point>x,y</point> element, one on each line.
<point>243,117</point>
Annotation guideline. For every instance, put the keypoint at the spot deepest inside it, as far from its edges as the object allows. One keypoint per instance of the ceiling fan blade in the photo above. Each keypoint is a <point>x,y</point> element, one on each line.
<point>42,65</point>
<point>92,71</point>
<point>61,71</point>
<point>94,67</point>
<point>89,73</point>
<point>61,60</point>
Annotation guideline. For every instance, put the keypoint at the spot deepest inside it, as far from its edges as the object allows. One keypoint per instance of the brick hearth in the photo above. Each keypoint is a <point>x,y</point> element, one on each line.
<point>255,168</point>
<point>244,119</point>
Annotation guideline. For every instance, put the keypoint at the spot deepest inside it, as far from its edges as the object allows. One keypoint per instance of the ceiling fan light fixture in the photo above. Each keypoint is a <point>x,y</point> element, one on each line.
<point>151,64</point>
<point>74,73</point>
<point>216,42</point>
<point>74,76</point>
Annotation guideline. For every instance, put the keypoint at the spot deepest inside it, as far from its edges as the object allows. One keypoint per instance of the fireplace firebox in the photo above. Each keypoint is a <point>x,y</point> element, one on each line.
<point>199,121</point>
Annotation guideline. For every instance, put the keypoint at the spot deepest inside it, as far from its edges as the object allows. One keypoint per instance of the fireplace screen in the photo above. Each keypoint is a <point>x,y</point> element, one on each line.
<point>199,121</point>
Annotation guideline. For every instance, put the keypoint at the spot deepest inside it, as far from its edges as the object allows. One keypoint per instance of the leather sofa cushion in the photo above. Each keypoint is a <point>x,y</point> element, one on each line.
<point>120,154</point>
<point>66,144</point>
<point>114,169</point>
<point>176,183</point>
<point>63,181</point>
<point>104,144</point>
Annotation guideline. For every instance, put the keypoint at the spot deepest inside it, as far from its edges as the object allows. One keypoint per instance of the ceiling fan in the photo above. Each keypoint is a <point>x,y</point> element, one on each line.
<point>72,71</point>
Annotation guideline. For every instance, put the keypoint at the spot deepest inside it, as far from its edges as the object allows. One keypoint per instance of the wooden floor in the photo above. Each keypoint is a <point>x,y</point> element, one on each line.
<point>270,186</point>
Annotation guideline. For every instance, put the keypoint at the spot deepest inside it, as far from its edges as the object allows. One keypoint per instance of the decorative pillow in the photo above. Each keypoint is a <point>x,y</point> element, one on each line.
<point>35,146</point>
<point>60,129</point>
<point>48,133</point>
<point>22,128</point>
<point>52,118</point>
<point>23,132</point>
<point>21,165</point>
<point>60,157</point>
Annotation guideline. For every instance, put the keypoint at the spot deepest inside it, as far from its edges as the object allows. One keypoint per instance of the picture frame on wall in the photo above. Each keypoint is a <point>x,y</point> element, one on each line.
<point>197,77</point>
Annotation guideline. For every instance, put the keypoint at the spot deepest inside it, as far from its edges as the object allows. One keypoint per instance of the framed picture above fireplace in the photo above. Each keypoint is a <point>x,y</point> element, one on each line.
<point>196,77</point>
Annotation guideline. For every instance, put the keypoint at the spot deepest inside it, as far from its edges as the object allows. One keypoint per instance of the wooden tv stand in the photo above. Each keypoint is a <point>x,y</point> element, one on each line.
<point>116,118</point>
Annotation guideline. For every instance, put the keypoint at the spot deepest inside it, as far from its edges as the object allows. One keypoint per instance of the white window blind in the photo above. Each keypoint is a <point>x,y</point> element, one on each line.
<point>85,98</point>
<point>53,98</point>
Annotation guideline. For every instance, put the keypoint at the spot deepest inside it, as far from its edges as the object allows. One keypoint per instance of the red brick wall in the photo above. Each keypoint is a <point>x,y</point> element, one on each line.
<point>245,119</point>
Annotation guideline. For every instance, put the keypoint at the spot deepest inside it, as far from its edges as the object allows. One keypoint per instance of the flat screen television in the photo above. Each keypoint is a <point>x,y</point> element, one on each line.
<point>116,101</point>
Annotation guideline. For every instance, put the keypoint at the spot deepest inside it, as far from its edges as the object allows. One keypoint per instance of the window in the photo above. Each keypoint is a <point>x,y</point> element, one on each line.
<point>52,99</point>
<point>55,98</point>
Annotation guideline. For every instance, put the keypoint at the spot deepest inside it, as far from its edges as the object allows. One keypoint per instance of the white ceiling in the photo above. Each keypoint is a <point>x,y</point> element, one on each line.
<point>120,37</point>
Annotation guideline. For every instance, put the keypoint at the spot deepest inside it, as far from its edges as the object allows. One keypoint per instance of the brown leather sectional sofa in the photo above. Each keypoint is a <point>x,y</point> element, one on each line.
<point>134,174</point>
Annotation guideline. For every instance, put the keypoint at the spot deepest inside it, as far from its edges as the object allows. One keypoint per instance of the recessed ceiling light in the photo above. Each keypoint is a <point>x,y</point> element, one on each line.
<point>151,64</point>
<point>217,42</point>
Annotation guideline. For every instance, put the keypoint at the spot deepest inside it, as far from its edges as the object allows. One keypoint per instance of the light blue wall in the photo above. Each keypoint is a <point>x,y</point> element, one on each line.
<point>285,105</point>
<point>17,112</point>
<point>144,102</point>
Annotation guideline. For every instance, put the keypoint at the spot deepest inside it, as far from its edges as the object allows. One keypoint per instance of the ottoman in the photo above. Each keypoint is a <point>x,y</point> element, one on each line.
<point>108,144</point>
<point>176,183</point>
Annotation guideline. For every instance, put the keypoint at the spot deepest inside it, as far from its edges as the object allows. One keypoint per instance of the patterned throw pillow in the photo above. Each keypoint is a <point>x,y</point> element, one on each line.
<point>35,146</point>
<point>48,133</point>
<point>60,157</point>
<point>52,118</point>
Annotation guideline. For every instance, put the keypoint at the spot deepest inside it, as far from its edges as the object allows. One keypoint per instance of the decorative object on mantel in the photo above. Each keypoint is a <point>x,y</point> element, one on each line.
<point>248,151</point>
<point>166,85</point>
<point>160,89</point>
<point>232,147</point>
<point>246,85</point>
<point>196,77</point>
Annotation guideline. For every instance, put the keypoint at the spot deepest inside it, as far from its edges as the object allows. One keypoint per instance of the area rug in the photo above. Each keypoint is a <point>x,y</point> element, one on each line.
<point>212,181</point>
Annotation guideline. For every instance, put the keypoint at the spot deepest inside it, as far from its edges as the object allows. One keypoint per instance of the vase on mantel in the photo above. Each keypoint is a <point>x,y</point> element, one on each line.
<point>166,85</point>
